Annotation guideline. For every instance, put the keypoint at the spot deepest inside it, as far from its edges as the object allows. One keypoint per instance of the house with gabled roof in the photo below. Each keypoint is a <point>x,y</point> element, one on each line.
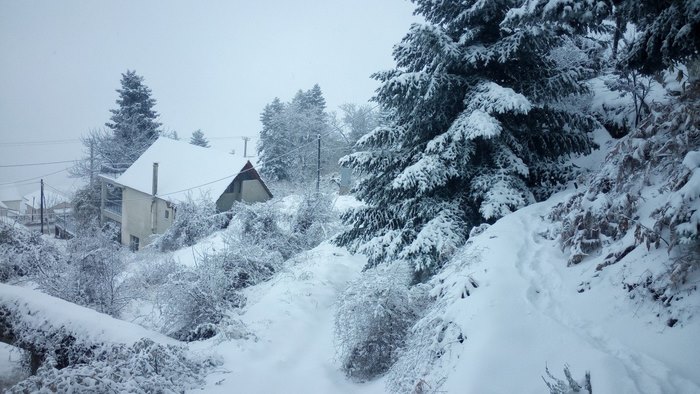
<point>143,200</point>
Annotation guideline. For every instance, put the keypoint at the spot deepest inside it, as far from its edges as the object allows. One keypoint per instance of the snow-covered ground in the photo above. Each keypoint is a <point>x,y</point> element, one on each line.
<point>289,348</point>
<point>506,307</point>
<point>527,311</point>
<point>510,293</point>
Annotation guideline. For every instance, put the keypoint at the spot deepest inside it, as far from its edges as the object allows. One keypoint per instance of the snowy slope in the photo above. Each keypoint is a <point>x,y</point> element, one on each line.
<point>508,292</point>
<point>290,320</point>
<point>519,307</point>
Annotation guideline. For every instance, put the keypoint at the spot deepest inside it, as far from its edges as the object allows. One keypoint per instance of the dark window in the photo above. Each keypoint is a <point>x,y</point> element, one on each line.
<point>167,214</point>
<point>133,243</point>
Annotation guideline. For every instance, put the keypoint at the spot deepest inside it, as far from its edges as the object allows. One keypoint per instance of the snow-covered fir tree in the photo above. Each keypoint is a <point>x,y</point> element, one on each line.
<point>133,123</point>
<point>199,139</point>
<point>133,128</point>
<point>288,147</point>
<point>477,121</point>
<point>274,142</point>
<point>669,32</point>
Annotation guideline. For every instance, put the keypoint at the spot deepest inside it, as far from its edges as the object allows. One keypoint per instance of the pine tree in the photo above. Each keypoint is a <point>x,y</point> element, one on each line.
<point>275,142</point>
<point>133,128</point>
<point>133,124</point>
<point>477,116</point>
<point>199,139</point>
<point>287,145</point>
<point>669,33</point>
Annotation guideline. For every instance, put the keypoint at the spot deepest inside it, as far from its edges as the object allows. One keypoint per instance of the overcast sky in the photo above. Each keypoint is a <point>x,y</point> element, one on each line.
<point>211,65</point>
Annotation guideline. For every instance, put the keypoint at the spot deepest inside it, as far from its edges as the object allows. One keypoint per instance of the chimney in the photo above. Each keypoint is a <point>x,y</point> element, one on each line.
<point>155,179</point>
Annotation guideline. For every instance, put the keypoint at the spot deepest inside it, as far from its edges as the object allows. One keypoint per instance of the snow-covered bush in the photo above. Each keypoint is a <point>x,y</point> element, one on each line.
<point>94,273</point>
<point>144,367</point>
<point>26,253</point>
<point>647,194</point>
<point>194,220</point>
<point>570,386</point>
<point>261,225</point>
<point>195,299</point>
<point>315,220</point>
<point>422,363</point>
<point>88,271</point>
<point>372,320</point>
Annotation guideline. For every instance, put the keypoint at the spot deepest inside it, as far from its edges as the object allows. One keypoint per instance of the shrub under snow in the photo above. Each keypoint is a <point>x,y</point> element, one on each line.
<point>143,367</point>
<point>194,300</point>
<point>569,386</point>
<point>194,220</point>
<point>373,318</point>
<point>646,195</point>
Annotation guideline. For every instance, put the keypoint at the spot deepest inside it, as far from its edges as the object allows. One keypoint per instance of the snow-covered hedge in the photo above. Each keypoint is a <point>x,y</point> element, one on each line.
<point>79,350</point>
<point>143,367</point>
<point>87,271</point>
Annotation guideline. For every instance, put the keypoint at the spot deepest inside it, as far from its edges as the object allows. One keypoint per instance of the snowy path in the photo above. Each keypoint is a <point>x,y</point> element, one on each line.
<point>528,314</point>
<point>292,320</point>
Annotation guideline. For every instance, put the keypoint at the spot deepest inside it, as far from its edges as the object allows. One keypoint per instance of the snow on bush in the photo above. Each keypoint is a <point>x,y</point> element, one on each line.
<point>75,349</point>
<point>143,367</point>
<point>23,252</point>
<point>94,276</point>
<point>419,366</point>
<point>88,271</point>
<point>194,220</point>
<point>373,318</point>
<point>194,300</point>
<point>315,221</point>
<point>569,386</point>
<point>647,193</point>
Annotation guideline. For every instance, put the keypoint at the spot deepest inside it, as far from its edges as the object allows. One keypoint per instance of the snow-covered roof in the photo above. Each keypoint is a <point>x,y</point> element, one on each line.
<point>183,169</point>
<point>10,193</point>
<point>50,198</point>
<point>3,205</point>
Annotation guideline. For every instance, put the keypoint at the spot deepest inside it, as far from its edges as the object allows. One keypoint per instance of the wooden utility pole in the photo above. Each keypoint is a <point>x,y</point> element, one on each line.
<point>245,146</point>
<point>41,204</point>
<point>318,165</point>
<point>92,161</point>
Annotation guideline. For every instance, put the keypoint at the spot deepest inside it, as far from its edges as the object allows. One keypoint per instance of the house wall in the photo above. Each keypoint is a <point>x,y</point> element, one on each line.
<point>137,216</point>
<point>14,205</point>
<point>248,191</point>
<point>253,191</point>
<point>233,193</point>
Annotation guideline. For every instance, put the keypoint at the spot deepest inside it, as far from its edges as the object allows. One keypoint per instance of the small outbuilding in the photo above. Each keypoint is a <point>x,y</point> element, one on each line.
<point>143,200</point>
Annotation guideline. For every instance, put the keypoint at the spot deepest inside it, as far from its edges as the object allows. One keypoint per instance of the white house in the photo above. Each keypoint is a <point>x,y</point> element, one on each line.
<point>11,200</point>
<point>53,203</point>
<point>143,200</point>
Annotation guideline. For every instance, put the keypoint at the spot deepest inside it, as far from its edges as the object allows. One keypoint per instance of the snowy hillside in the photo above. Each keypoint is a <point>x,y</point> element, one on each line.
<point>519,309</point>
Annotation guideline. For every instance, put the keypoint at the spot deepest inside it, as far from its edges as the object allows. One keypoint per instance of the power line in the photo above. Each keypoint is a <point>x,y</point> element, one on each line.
<point>36,164</point>
<point>34,143</point>
<point>18,182</point>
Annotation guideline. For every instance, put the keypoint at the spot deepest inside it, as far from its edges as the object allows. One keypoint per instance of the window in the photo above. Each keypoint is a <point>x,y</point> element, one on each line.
<point>167,214</point>
<point>133,243</point>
